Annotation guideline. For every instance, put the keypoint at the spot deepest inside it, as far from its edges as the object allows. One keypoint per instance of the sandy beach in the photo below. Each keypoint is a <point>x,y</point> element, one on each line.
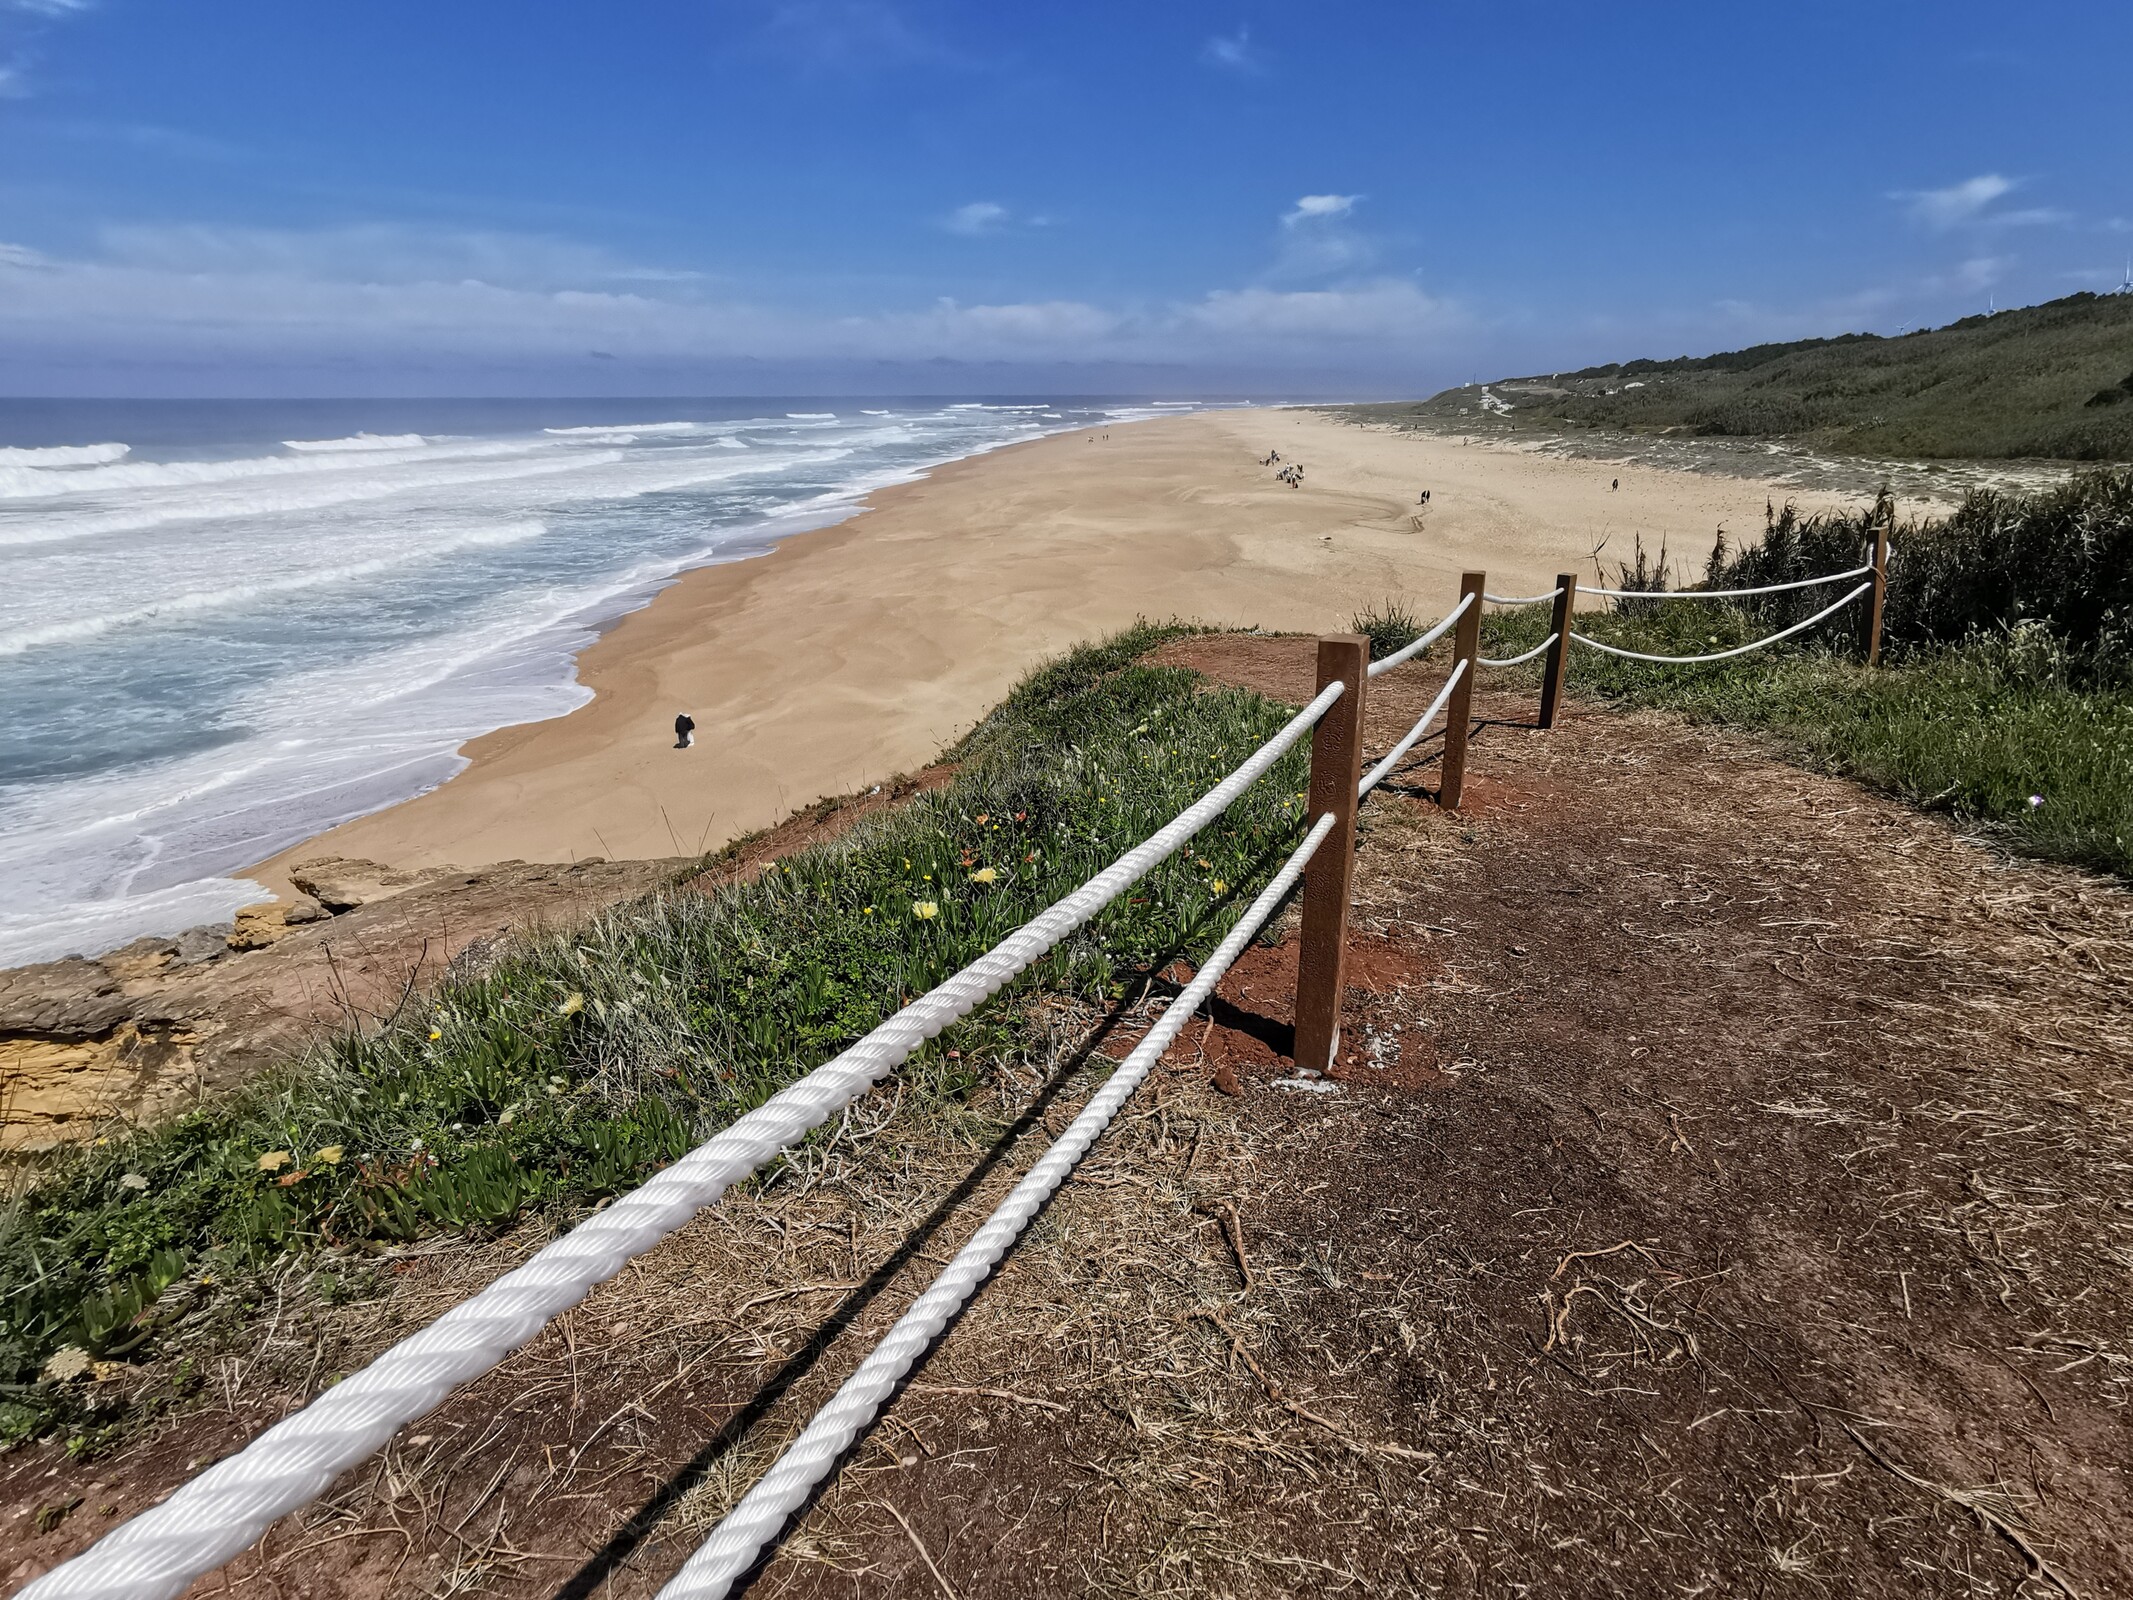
<point>856,652</point>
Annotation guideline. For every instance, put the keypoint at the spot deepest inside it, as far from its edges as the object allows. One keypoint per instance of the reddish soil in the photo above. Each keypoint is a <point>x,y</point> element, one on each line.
<point>1727,1188</point>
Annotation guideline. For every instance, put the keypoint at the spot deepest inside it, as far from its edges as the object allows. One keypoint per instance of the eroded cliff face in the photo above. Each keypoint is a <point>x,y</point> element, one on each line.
<point>140,1033</point>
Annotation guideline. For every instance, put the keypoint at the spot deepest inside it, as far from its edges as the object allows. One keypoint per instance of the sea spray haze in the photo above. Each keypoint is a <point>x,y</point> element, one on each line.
<point>227,626</point>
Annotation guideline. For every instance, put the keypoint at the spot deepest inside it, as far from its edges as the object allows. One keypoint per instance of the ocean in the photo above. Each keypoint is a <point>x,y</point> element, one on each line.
<point>226,626</point>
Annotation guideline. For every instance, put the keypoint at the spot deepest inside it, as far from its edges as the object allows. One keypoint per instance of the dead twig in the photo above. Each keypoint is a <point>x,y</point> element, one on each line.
<point>1274,1392</point>
<point>1986,1516</point>
<point>1233,1230</point>
<point>985,1393</point>
<point>919,1545</point>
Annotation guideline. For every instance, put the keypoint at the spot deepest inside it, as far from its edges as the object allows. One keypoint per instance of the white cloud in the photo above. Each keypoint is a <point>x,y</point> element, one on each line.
<point>2035,217</point>
<point>1320,208</point>
<point>1958,203</point>
<point>1386,308</point>
<point>231,300</point>
<point>49,8</point>
<point>980,216</point>
<point>1233,52</point>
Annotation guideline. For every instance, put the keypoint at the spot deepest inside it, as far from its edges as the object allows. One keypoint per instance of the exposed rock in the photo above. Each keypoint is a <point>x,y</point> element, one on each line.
<point>144,1031</point>
<point>341,883</point>
<point>61,1000</point>
<point>207,943</point>
<point>259,926</point>
<point>60,1089</point>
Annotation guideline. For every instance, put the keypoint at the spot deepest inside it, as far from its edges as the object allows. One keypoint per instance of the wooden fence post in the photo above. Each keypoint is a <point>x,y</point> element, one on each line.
<point>1336,770</point>
<point>1459,713</point>
<point>1558,657</point>
<point>1879,594</point>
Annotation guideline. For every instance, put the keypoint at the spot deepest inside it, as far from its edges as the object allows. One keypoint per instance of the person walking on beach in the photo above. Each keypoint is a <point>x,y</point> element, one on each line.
<point>684,731</point>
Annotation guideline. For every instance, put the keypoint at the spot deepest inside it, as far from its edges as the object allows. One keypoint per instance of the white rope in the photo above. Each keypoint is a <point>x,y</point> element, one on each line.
<point>1516,661</point>
<point>1738,650</point>
<point>1376,775</point>
<point>226,1508</point>
<point>1726,594</point>
<point>1423,643</point>
<point>1526,599</point>
<point>736,1543</point>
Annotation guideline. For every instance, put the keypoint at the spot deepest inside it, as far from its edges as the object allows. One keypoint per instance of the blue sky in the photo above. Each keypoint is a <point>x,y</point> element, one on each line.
<point>655,197</point>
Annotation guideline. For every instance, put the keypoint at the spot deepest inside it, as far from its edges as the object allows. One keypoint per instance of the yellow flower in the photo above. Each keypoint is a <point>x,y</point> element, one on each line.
<point>868,912</point>
<point>1218,886</point>
<point>436,1034</point>
<point>331,1155</point>
<point>573,1003</point>
<point>925,910</point>
<point>984,875</point>
<point>274,1161</point>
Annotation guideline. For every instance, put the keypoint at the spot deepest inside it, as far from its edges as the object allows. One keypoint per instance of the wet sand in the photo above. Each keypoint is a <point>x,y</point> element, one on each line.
<point>856,652</point>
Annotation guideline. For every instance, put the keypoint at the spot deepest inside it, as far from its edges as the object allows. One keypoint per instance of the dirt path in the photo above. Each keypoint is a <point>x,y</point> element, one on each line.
<point>1729,1191</point>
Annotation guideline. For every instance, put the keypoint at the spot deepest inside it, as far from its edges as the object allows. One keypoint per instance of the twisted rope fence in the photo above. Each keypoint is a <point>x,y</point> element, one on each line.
<point>226,1508</point>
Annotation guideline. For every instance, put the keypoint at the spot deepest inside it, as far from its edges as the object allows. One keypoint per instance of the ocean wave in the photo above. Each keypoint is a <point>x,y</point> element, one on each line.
<point>360,441</point>
<point>726,441</point>
<point>811,416</point>
<point>196,601</point>
<point>626,427</point>
<point>62,455</point>
<point>32,483</point>
<point>877,413</point>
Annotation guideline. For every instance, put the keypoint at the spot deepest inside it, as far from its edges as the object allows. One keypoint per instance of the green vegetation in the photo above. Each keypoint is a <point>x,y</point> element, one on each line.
<point>1389,625</point>
<point>582,1061</point>
<point>2008,698</point>
<point>2052,381</point>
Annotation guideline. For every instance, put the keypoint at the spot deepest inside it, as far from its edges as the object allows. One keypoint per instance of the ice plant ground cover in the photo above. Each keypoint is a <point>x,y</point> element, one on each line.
<point>581,1061</point>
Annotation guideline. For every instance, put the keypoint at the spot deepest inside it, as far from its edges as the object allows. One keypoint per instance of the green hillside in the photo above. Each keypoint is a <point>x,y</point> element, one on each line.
<point>2052,381</point>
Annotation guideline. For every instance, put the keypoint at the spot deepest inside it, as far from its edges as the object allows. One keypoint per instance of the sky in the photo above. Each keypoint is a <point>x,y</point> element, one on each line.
<point>653,197</point>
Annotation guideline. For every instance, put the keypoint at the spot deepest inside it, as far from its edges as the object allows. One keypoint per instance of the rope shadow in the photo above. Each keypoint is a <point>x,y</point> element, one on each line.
<point>643,1523</point>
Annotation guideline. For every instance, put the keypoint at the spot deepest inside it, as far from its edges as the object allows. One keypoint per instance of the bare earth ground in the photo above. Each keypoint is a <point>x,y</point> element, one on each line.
<point>1728,1191</point>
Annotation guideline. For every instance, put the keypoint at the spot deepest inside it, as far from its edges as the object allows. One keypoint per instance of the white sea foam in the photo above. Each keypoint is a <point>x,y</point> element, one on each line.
<point>194,601</point>
<point>360,441</point>
<point>625,427</point>
<point>811,416</point>
<point>877,413</point>
<point>31,483</point>
<point>63,455</point>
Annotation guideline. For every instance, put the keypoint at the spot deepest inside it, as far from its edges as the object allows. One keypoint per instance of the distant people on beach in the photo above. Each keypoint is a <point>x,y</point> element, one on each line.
<point>1422,499</point>
<point>1616,484</point>
<point>1292,476</point>
<point>684,731</point>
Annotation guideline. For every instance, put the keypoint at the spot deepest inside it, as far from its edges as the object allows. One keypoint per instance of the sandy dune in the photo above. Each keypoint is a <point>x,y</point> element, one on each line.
<point>856,652</point>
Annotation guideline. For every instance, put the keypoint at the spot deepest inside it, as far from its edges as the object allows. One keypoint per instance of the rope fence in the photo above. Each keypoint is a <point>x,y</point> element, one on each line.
<point>1738,650</point>
<point>739,1539</point>
<point>1730,594</point>
<point>1542,648</point>
<point>217,1514</point>
<point>1408,652</point>
<point>226,1508</point>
